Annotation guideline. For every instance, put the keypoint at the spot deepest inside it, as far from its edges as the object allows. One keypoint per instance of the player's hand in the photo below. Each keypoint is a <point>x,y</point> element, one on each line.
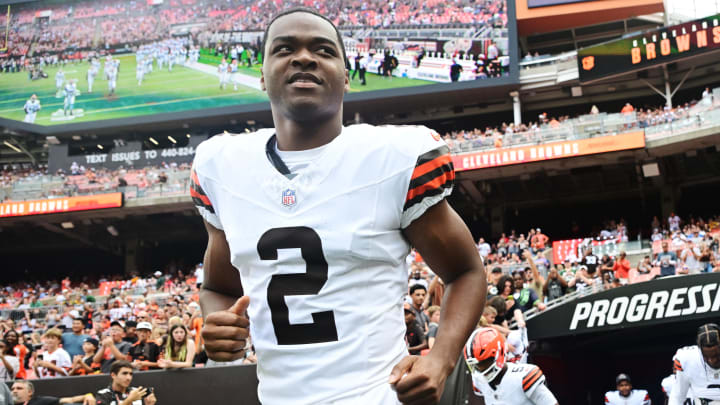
<point>418,380</point>
<point>137,394</point>
<point>225,332</point>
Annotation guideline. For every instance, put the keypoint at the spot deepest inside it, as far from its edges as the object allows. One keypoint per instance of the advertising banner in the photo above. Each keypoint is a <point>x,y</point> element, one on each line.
<point>58,205</point>
<point>548,151</point>
<point>662,301</point>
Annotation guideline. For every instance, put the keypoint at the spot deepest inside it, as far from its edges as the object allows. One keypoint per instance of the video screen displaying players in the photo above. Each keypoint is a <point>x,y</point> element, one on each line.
<point>77,61</point>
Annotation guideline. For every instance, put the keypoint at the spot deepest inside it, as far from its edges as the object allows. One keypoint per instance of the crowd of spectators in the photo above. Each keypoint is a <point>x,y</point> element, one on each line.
<point>94,24</point>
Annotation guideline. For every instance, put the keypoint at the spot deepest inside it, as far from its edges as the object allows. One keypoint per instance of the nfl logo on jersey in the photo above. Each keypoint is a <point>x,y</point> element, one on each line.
<point>288,197</point>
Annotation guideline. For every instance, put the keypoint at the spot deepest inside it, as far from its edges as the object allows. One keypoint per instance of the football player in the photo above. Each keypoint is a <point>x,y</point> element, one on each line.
<point>140,71</point>
<point>668,383</point>
<point>698,368</point>
<point>111,71</point>
<point>625,394</point>
<point>32,106</point>
<point>223,72</point>
<point>498,382</point>
<point>234,77</point>
<point>91,73</point>
<point>59,80</point>
<point>309,226</point>
<point>70,92</point>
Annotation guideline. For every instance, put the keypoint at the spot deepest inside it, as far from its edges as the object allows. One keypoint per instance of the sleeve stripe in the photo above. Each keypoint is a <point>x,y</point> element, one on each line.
<point>429,190</point>
<point>678,366</point>
<point>431,175</point>
<point>531,378</point>
<point>429,166</point>
<point>530,374</point>
<point>199,197</point>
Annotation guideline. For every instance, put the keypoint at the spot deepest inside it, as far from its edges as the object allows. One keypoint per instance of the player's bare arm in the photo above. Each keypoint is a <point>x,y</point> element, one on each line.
<point>226,327</point>
<point>447,246</point>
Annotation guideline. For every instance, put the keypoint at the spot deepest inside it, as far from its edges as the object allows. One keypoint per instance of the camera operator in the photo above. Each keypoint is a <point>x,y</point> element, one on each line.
<point>119,392</point>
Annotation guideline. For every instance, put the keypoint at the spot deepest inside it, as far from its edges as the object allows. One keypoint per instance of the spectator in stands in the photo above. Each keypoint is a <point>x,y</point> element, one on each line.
<point>9,363</point>
<point>414,336</point>
<point>179,349</point>
<point>85,364</point>
<point>583,280</point>
<point>72,341</point>
<point>627,109</point>
<point>434,313</point>
<point>645,266</point>
<point>525,298</point>
<point>436,292</point>
<point>555,286</point>
<point>621,268</point>
<point>690,257</point>
<point>538,241</point>
<point>144,353</point>
<point>130,332</point>
<point>417,296</point>
<point>113,347</point>
<point>590,261</point>
<point>23,392</point>
<point>532,276</point>
<point>12,339</point>
<point>55,361</point>
<point>120,392</point>
<point>493,279</point>
<point>484,248</point>
<point>667,261</point>
<point>674,222</point>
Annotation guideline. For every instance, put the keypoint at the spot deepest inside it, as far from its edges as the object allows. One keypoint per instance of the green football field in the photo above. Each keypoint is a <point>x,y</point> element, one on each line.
<point>161,92</point>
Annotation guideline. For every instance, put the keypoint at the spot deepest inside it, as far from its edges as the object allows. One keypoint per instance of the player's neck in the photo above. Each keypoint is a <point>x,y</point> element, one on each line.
<point>494,383</point>
<point>294,135</point>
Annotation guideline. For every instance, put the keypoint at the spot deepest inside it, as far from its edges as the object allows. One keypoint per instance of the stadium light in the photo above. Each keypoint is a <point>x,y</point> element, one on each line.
<point>188,135</point>
<point>100,147</point>
<point>67,225</point>
<point>13,147</point>
<point>172,139</point>
<point>153,141</point>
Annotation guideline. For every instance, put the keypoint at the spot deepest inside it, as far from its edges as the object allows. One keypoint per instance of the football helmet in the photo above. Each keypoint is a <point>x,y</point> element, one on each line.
<point>483,344</point>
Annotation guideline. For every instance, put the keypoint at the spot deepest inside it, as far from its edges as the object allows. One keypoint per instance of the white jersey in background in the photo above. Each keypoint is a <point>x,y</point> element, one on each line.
<point>59,358</point>
<point>693,373</point>
<point>310,251</point>
<point>636,397</point>
<point>667,385</point>
<point>522,384</point>
<point>518,339</point>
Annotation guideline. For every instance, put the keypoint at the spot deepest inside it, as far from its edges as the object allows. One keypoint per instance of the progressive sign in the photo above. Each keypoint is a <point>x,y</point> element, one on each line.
<point>654,302</point>
<point>649,48</point>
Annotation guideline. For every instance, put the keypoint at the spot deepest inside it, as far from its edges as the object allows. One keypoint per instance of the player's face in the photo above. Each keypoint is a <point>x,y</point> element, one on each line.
<point>712,356</point>
<point>304,71</point>
<point>624,387</point>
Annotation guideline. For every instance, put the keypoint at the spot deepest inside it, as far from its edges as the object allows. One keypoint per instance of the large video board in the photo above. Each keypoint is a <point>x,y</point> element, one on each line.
<point>546,3</point>
<point>649,48</point>
<point>89,61</point>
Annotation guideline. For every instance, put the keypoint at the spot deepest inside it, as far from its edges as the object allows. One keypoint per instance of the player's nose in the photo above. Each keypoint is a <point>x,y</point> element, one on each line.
<point>304,57</point>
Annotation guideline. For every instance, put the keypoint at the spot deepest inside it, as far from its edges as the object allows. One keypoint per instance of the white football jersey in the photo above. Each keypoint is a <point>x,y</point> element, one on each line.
<point>667,385</point>
<point>522,384</point>
<point>636,397</point>
<point>59,358</point>
<point>693,373</point>
<point>322,255</point>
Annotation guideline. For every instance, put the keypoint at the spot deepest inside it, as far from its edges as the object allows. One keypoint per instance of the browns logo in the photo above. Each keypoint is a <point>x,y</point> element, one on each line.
<point>588,62</point>
<point>435,136</point>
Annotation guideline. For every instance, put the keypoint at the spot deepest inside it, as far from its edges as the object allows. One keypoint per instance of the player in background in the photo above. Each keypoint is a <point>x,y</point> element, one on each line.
<point>171,58</point>
<point>111,71</point>
<point>223,73</point>
<point>70,92</point>
<point>668,383</point>
<point>698,368</point>
<point>92,73</point>
<point>140,71</point>
<point>59,80</point>
<point>498,382</point>
<point>306,266</point>
<point>625,394</point>
<point>518,343</point>
<point>32,106</point>
<point>234,76</point>
<point>107,67</point>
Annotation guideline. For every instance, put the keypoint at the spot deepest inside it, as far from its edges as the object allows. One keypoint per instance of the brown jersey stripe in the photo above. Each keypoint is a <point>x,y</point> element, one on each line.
<point>530,383</point>
<point>431,175</point>
<point>430,192</point>
<point>431,165</point>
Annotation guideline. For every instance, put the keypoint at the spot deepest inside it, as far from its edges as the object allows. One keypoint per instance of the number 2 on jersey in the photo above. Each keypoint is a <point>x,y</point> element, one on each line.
<point>323,328</point>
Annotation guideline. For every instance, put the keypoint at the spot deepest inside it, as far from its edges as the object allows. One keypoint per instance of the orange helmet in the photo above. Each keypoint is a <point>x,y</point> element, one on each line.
<point>483,344</point>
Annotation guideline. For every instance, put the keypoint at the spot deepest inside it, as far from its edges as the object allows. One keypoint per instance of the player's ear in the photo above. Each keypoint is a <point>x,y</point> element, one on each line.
<point>262,80</point>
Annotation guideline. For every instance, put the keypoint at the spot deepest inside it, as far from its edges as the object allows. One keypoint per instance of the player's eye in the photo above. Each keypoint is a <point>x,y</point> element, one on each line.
<point>282,48</point>
<point>327,50</point>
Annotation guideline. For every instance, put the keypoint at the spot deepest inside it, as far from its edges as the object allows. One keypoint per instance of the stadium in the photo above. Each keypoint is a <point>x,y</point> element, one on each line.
<point>581,139</point>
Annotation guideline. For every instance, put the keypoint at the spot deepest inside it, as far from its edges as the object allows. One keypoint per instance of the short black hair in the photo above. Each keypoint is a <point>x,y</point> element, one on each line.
<point>118,365</point>
<point>308,10</point>
<point>708,335</point>
<point>416,287</point>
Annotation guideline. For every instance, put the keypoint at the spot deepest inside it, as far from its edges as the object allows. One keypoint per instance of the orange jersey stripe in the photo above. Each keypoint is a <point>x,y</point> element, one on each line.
<point>533,381</point>
<point>431,165</point>
<point>194,178</point>
<point>202,198</point>
<point>436,183</point>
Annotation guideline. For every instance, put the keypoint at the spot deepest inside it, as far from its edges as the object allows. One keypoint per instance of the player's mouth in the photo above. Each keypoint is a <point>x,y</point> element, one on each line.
<point>303,79</point>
